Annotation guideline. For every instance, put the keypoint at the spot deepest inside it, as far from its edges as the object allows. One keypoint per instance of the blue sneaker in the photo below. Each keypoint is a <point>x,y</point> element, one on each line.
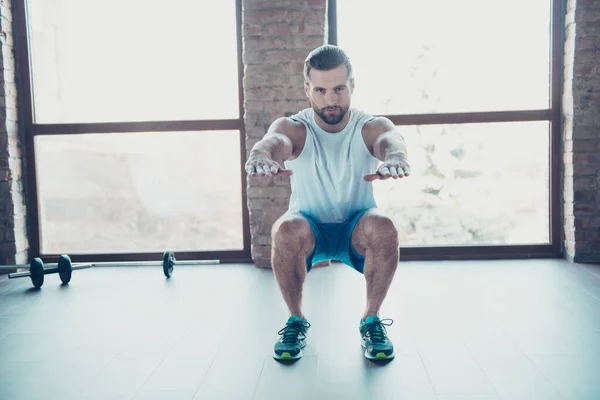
<point>292,340</point>
<point>374,338</point>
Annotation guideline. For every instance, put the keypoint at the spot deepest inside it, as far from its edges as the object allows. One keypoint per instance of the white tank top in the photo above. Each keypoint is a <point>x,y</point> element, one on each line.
<point>328,183</point>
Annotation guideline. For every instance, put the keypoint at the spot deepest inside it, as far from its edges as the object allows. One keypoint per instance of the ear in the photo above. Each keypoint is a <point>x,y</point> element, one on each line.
<point>306,88</point>
<point>352,84</point>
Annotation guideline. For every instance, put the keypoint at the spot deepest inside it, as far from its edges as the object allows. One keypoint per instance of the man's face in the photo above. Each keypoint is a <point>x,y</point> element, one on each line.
<point>329,93</point>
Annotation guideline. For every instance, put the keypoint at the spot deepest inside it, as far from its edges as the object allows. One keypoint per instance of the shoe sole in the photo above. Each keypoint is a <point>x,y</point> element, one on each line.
<point>379,356</point>
<point>287,356</point>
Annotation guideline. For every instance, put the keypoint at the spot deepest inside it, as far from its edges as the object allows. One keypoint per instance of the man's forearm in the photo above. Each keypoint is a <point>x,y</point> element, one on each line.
<point>275,147</point>
<point>389,144</point>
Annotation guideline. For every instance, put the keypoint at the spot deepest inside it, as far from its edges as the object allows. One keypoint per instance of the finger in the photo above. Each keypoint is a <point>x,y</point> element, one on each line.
<point>259,170</point>
<point>401,172</point>
<point>394,172</point>
<point>384,172</point>
<point>371,177</point>
<point>263,170</point>
<point>285,172</point>
<point>277,169</point>
<point>250,169</point>
<point>406,169</point>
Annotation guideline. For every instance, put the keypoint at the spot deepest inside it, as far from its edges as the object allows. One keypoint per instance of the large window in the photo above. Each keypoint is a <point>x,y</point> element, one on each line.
<point>149,191</point>
<point>133,60</point>
<point>130,109</point>
<point>471,185</point>
<point>473,87</point>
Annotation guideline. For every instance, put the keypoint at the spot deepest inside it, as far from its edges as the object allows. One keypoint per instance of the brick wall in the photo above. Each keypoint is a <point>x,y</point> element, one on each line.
<point>581,131</point>
<point>278,35</point>
<point>13,231</point>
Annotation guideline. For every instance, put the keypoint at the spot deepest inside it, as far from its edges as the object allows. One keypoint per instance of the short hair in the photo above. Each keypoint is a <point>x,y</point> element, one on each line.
<point>325,58</point>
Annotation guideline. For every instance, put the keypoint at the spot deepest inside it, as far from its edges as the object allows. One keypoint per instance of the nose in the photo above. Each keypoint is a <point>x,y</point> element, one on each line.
<point>331,98</point>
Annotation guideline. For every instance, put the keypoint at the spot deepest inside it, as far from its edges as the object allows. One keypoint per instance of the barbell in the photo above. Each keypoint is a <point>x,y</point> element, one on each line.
<point>64,268</point>
<point>168,262</point>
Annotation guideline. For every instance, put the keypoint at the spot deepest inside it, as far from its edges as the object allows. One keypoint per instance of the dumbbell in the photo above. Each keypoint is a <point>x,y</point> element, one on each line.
<point>64,268</point>
<point>168,262</point>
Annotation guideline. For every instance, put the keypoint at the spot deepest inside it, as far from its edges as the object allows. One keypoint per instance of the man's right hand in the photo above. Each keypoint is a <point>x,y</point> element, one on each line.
<point>260,164</point>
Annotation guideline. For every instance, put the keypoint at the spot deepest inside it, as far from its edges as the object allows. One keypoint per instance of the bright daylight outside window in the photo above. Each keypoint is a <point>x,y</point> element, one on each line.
<point>121,61</point>
<point>471,184</point>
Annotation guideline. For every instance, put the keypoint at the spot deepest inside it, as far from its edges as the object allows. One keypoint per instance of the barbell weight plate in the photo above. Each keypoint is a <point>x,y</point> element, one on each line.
<point>168,263</point>
<point>36,269</point>
<point>65,268</point>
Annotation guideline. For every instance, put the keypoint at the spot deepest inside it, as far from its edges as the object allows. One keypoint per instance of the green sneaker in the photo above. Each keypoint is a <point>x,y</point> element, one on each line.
<point>374,338</point>
<point>292,340</point>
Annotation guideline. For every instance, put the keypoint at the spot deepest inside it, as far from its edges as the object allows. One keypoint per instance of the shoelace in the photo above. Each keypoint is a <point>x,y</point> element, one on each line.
<point>376,330</point>
<point>291,331</point>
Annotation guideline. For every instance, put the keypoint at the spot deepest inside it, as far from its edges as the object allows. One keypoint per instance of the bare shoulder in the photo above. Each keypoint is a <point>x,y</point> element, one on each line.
<point>294,130</point>
<point>374,128</point>
<point>288,127</point>
<point>378,125</point>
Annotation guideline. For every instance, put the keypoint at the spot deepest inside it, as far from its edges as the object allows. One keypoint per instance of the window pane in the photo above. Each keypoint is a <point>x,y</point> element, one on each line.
<point>133,60</point>
<point>472,184</point>
<point>437,56</point>
<point>145,192</point>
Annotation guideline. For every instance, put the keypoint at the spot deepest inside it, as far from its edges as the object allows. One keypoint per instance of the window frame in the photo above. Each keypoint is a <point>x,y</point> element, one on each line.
<point>552,114</point>
<point>29,129</point>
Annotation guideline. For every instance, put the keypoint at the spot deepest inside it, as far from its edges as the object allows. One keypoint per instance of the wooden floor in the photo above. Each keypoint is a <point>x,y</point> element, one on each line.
<point>463,330</point>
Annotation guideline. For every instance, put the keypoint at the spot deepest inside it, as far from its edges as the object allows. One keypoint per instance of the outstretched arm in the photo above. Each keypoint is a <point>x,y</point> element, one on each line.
<point>268,154</point>
<point>387,144</point>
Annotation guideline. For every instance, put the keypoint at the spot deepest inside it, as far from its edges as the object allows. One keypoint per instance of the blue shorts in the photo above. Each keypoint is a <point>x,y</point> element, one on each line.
<point>333,241</point>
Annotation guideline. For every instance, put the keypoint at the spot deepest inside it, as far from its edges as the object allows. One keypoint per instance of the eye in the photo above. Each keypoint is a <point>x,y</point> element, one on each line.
<point>320,90</point>
<point>340,89</point>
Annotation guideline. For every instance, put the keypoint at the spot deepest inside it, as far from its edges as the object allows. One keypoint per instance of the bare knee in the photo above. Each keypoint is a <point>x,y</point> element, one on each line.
<point>292,234</point>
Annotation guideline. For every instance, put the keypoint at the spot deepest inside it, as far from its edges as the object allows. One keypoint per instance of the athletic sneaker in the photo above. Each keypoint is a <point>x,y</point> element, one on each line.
<point>292,340</point>
<point>374,338</point>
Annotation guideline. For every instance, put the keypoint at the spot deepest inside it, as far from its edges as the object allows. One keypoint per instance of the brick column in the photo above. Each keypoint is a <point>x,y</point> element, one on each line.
<point>581,131</point>
<point>13,230</point>
<point>278,35</point>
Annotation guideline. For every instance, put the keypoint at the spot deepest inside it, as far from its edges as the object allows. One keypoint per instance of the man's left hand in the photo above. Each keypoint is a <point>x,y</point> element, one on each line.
<point>394,167</point>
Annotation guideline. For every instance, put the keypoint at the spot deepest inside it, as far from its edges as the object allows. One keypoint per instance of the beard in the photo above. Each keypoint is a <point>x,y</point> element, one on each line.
<point>330,119</point>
